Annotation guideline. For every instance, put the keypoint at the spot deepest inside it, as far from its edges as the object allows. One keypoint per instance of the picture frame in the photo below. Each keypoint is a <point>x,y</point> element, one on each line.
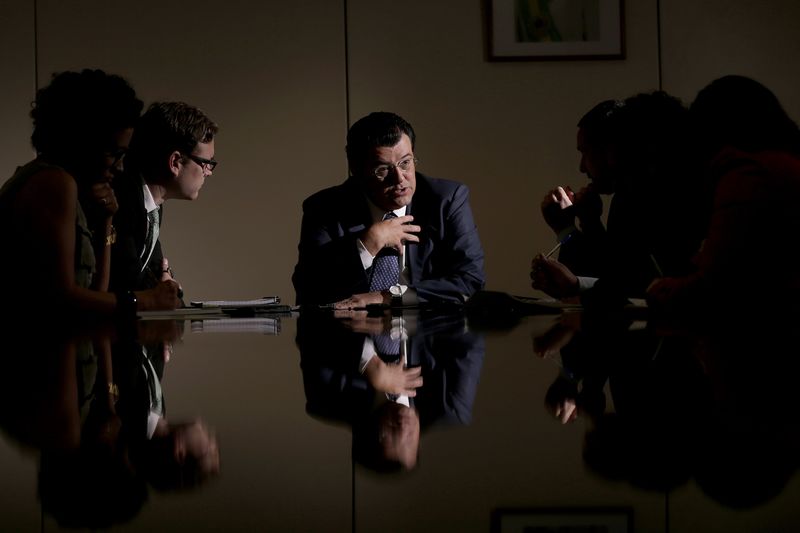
<point>556,30</point>
<point>563,520</point>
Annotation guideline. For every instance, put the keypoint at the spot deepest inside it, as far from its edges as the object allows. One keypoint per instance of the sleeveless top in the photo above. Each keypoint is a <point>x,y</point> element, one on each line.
<point>84,252</point>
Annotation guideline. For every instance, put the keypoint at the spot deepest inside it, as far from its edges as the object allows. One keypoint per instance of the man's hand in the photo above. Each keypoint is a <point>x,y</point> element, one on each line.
<point>557,208</point>
<point>553,278</point>
<point>549,343</point>
<point>166,271</point>
<point>361,322</point>
<point>163,296</point>
<point>588,206</point>
<point>392,233</point>
<point>393,378</point>
<point>361,301</point>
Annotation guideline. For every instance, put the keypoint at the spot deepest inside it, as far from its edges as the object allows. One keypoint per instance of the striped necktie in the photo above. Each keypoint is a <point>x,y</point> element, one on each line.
<point>385,267</point>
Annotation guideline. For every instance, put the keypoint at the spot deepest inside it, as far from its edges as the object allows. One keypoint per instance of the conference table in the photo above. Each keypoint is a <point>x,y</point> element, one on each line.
<point>576,420</point>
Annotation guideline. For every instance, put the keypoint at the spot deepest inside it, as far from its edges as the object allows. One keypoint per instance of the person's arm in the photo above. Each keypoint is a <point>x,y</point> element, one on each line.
<point>459,273</point>
<point>104,239</point>
<point>47,209</point>
<point>101,205</point>
<point>329,267</point>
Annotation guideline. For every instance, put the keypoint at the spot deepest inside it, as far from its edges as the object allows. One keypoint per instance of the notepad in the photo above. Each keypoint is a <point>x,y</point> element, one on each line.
<point>264,326</point>
<point>180,313</point>
<point>238,304</point>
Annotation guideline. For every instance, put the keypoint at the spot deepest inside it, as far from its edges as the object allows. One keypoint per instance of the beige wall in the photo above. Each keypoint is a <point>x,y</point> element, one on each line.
<point>273,74</point>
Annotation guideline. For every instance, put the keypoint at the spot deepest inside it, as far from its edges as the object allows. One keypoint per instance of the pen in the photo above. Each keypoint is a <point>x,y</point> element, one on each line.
<point>655,265</point>
<point>557,246</point>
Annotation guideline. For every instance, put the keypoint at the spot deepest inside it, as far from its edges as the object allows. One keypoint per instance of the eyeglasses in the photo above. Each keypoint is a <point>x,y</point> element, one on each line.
<point>208,165</point>
<point>115,156</point>
<point>382,171</point>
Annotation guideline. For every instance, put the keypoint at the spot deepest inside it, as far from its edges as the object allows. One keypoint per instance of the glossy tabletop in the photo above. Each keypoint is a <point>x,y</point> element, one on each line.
<point>521,422</point>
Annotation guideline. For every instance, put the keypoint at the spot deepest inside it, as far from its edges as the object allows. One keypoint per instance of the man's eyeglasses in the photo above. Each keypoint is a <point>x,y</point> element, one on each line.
<point>381,171</point>
<point>208,165</point>
<point>115,156</point>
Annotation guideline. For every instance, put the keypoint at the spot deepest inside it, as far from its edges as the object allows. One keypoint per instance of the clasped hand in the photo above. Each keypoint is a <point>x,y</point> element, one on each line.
<point>393,378</point>
<point>561,206</point>
<point>392,233</point>
<point>557,208</point>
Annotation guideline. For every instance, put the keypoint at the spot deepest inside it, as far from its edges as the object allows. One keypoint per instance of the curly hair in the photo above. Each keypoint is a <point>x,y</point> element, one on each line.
<point>78,110</point>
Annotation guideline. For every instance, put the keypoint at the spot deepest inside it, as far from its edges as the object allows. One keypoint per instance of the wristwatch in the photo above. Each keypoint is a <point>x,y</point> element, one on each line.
<point>397,292</point>
<point>127,304</point>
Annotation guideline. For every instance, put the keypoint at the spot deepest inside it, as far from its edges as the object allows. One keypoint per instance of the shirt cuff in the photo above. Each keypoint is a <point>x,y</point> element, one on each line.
<point>363,253</point>
<point>367,353</point>
<point>566,232</point>
<point>585,283</point>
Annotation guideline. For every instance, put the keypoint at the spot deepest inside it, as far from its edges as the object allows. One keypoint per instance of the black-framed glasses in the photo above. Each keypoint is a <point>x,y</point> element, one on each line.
<point>116,155</point>
<point>381,171</point>
<point>207,165</point>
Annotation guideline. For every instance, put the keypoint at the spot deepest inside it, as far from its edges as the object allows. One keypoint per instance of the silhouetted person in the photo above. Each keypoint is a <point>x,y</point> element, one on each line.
<point>56,211</point>
<point>575,217</point>
<point>653,225</point>
<point>751,150</point>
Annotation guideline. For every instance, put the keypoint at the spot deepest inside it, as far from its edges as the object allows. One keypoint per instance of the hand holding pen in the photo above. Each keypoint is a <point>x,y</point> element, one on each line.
<point>552,277</point>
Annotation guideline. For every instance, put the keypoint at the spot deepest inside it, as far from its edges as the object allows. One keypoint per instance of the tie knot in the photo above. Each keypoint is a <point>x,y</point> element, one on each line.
<point>388,216</point>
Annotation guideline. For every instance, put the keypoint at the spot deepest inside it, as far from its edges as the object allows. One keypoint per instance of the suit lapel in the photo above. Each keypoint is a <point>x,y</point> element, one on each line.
<point>353,207</point>
<point>418,252</point>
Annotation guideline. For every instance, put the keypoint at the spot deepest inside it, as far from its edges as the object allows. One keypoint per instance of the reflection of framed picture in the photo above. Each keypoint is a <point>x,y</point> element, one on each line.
<point>556,29</point>
<point>563,520</point>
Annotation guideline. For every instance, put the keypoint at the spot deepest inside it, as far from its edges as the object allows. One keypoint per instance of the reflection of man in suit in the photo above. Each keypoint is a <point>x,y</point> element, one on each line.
<point>386,213</point>
<point>170,156</point>
<point>350,376</point>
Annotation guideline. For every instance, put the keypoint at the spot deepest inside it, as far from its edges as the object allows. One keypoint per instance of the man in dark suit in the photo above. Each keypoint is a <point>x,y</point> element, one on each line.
<point>387,234</point>
<point>170,155</point>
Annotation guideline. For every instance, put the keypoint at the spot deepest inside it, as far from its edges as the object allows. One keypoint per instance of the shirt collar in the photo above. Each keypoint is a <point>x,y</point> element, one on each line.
<point>377,213</point>
<point>149,202</point>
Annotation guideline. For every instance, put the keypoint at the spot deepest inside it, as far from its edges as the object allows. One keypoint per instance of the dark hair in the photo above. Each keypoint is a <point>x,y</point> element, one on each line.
<point>741,112</point>
<point>78,110</point>
<point>598,123</point>
<point>377,129</point>
<point>167,127</point>
<point>653,132</point>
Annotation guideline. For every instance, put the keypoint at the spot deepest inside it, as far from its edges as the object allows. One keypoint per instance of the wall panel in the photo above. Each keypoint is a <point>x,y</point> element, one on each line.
<point>270,73</point>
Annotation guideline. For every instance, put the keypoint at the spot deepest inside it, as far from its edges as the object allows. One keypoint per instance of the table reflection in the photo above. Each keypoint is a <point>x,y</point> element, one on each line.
<point>389,378</point>
<point>87,399</point>
<point>670,402</point>
<point>669,418</point>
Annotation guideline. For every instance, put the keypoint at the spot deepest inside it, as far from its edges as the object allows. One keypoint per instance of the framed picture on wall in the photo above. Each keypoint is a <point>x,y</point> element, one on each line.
<point>563,520</point>
<point>526,30</point>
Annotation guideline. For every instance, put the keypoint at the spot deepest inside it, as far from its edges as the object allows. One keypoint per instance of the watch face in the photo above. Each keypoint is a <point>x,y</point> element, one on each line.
<point>395,290</point>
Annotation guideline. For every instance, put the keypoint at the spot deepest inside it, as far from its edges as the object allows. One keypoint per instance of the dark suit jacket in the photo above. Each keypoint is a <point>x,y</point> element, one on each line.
<point>131,224</point>
<point>446,265</point>
<point>451,359</point>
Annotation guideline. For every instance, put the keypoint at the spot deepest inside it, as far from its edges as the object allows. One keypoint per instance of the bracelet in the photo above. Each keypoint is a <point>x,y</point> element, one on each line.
<point>111,238</point>
<point>126,303</point>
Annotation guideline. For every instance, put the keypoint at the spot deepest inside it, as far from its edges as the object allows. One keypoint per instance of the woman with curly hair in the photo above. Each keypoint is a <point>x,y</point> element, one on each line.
<point>56,211</point>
